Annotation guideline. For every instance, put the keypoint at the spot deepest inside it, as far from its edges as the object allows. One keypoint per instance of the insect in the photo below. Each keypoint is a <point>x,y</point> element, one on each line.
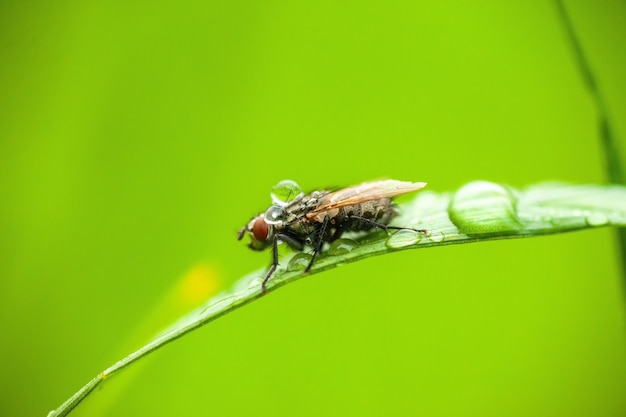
<point>323,216</point>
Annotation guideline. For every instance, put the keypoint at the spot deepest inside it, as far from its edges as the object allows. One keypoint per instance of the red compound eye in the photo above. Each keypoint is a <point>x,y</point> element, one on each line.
<point>259,229</point>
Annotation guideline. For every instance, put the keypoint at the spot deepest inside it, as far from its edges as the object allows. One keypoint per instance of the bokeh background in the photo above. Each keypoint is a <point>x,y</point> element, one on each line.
<point>137,138</point>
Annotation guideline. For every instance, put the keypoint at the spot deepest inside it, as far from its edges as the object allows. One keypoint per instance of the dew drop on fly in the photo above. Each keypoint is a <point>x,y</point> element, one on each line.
<point>275,214</point>
<point>285,191</point>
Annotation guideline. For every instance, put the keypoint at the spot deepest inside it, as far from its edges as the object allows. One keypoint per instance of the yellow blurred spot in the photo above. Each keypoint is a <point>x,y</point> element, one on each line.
<point>201,282</point>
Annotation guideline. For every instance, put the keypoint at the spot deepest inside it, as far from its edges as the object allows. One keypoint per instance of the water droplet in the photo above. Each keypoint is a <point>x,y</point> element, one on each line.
<point>285,191</point>
<point>299,262</point>
<point>402,238</point>
<point>275,214</point>
<point>437,236</point>
<point>596,219</point>
<point>482,207</point>
<point>341,247</point>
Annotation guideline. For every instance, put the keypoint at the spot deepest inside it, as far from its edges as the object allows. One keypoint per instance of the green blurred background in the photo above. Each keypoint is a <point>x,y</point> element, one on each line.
<point>136,138</point>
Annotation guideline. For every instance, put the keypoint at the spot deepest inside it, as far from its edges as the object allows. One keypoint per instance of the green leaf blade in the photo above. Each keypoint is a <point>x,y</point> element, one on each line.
<point>479,211</point>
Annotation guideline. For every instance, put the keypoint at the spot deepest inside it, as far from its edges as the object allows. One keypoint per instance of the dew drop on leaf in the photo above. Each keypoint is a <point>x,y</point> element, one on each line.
<point>482,207</point>
<point>596,219</point>
<point>299,262</point>
<point>437,236</point>
<point>403,238</point>
<point>342,246</point>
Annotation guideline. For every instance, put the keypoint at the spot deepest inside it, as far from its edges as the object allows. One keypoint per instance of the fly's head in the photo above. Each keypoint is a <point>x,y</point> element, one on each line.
<point>263,227</point>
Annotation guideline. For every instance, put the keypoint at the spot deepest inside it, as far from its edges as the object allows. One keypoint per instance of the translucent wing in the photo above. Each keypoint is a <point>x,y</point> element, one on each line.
<point>365,192</point>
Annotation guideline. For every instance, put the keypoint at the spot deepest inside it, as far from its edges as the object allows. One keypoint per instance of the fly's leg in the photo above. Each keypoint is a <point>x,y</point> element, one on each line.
<point>292,242</point>
<point>318,244</point>
<point>338,232</point>
<point>385,227</point>
<point>274,264</point>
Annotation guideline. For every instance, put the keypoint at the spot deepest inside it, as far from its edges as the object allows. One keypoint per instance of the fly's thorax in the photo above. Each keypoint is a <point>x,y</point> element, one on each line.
<point>302,226</point>
<point>303,205</point>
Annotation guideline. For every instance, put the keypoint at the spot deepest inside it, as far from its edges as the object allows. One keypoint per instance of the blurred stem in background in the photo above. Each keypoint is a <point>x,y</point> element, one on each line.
<point>612,156</point>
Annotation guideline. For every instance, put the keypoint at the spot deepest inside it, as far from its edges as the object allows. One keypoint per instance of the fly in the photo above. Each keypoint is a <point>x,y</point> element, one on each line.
<point>323,216</point>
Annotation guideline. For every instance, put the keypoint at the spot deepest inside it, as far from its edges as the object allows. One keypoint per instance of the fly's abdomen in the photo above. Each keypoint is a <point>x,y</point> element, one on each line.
<point>363,216</point>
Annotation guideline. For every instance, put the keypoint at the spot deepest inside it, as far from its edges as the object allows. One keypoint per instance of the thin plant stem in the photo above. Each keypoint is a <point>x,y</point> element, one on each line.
<point>608,137</point>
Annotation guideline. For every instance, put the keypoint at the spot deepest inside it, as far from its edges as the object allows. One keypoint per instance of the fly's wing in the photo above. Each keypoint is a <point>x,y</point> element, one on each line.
<point>365,192</point>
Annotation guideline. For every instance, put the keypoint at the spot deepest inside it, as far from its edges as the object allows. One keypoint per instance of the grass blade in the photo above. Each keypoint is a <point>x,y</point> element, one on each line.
<point>479,211</point>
